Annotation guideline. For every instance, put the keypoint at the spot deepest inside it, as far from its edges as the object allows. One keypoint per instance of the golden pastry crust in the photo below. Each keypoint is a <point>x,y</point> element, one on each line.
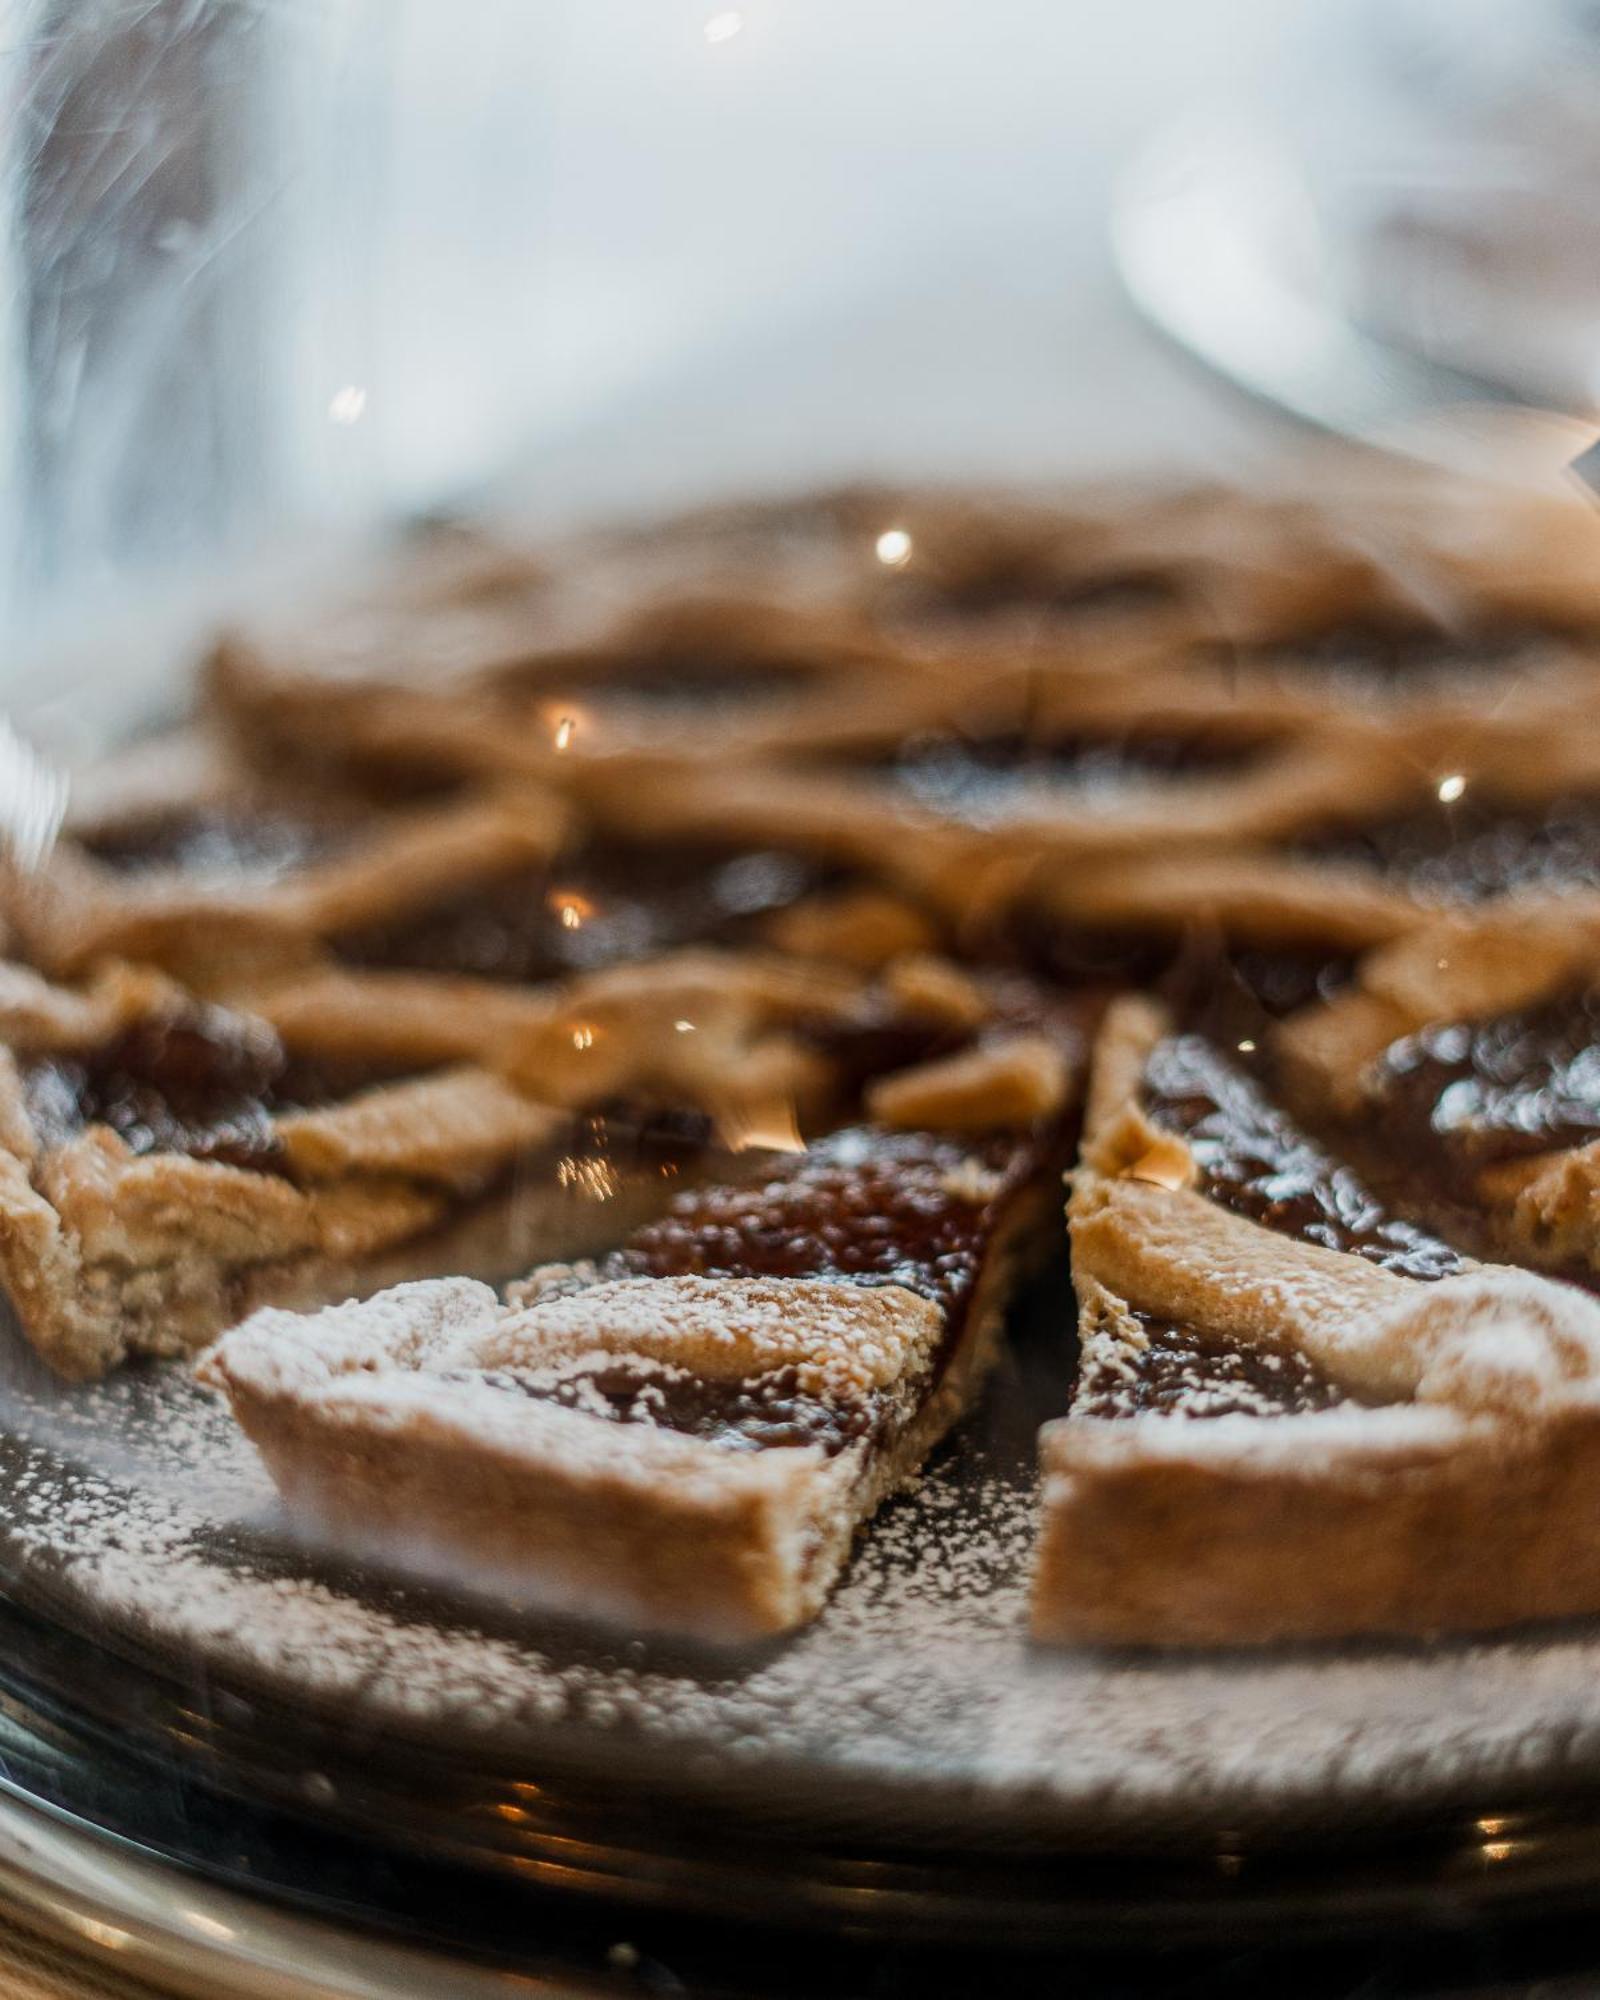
<point>1456,1421</point>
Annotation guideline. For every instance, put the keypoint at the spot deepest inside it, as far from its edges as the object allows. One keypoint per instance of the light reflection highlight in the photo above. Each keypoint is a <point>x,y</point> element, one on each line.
<point>595,1180</point>
<point>348,404</point>
<point>566,720</point>
<point>765,1128</point>
<point>1451,788</point>
<point>723,27</point>
<point>893,548</point>
<point>107,1935</point>
<point>211,1926</point>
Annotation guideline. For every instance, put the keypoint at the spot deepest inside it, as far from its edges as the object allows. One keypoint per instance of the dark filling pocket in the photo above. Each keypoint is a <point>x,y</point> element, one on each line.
<point>1179,1371</point>
<point>1255,1161</point>
<point>610,904</point>
<point>204,1083</point>
<point>1464,1094</point>
<point>741,1413</point>
<point>986,780</point>
<point>217,844</point>
<point>1471,848</point>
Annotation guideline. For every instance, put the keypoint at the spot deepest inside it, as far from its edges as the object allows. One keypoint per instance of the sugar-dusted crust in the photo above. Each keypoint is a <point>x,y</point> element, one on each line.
<point>382,1433</point>
<point>1447,1487</point>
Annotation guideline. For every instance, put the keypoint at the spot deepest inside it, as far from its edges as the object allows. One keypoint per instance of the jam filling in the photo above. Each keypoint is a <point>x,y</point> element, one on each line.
<point>739,1413</point>
<point>204,1083</point>
<point>986,780</point>
<point>1466,1094</point>
<point>610,904</point>
<point>1179,1371</point>
<point>864,1206</point>
<point>216,843</point>
<point>1023,577</point>
<point>1233,996</point>
<point>1472,849</point>
<point>1255,1162</point>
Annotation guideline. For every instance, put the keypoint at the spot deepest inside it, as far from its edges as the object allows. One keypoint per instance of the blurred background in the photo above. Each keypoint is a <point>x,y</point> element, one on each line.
<point>282,269</point>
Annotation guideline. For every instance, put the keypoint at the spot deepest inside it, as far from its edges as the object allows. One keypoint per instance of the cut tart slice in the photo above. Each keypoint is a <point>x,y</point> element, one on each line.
<point>1299,1416</point>
<point>686,1434</point>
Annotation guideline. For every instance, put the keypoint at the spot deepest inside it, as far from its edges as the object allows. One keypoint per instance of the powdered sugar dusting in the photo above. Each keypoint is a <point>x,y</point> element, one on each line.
<point>135,1507</point>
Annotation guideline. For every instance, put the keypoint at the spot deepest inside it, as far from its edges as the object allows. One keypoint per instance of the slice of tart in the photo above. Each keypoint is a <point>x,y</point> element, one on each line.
<point>1299,1415</point>
<point>685,1434</point>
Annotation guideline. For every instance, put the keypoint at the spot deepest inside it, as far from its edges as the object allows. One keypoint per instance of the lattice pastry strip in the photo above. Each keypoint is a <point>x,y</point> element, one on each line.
<point>176,856</point>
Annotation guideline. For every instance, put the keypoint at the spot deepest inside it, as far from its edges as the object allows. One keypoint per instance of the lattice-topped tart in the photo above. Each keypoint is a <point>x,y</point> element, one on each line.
<point>730,901</point>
